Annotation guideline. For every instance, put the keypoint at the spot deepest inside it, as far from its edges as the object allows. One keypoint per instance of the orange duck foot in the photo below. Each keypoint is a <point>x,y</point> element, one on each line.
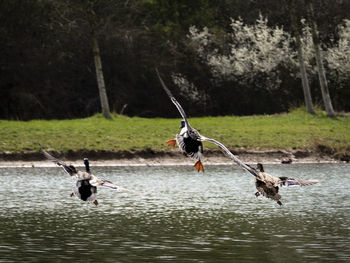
<point>199,166</point>
<point>172,142</point>
<point>95,203</point>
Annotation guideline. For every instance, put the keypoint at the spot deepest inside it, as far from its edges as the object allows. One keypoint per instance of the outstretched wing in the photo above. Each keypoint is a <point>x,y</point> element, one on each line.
<point>182,112</point>
<point>105,183</point>
<point>229,154</point>
<point>101,182</point>
<point>70,170</point>
<point>122,189</point>
<point>48,156</point>
<point>286,181</point>
<point>109,184</point>
<point>176,103</point>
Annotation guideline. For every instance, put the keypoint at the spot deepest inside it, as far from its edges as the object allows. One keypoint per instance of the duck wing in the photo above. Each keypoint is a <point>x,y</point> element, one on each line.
<point>286,181</point>
<point>231,155</point>
<point>101,182</point>
<point>176,103</point>
<point>69,169</point>
<point>182,112</point>
<point>124,190</point>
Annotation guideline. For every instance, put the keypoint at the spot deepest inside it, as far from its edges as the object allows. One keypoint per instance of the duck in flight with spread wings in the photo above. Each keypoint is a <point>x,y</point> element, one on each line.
<point>268,185</point>
<point>86,185</point>
<point>189,139</point>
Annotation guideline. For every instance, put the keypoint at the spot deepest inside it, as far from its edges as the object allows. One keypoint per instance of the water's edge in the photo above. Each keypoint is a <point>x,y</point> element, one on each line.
<point>169,158</point>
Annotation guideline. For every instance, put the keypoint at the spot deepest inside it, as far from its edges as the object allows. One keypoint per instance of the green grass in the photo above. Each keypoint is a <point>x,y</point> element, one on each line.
<point>295,130</point>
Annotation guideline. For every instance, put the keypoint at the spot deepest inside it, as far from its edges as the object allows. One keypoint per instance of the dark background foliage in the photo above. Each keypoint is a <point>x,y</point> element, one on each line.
<point>47,69</point>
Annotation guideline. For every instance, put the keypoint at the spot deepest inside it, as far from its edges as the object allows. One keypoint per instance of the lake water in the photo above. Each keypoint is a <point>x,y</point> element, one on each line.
<point>182,216</point>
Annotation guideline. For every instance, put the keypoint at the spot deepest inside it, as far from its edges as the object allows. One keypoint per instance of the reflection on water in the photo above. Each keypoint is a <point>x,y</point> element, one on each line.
<point>182,216</point>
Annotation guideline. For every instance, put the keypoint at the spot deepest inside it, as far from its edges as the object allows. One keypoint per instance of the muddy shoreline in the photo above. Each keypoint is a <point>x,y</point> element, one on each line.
<point>172,157</point>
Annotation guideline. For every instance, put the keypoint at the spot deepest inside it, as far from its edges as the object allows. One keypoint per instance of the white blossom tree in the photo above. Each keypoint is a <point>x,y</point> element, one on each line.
<point>188,89</point>
<point>338,56</point>
<point>259,51</point>
<point>253,49</point>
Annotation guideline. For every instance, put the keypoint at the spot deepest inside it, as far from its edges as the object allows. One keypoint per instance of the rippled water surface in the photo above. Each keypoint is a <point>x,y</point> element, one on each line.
<point>182,216</point>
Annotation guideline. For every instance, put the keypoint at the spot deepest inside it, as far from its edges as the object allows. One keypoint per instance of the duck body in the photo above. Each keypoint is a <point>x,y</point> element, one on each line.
<point>86,185</point>
<point>85,191</point>
<point>191,147</point>
<point>189,142</point>
<point>269,185</point>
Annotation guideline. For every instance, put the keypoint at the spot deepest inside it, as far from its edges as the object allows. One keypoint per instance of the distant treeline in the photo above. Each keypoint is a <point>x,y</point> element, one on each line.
<point>47,65</point>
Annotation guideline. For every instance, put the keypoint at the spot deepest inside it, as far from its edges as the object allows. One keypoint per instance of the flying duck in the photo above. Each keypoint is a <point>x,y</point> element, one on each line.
<point>86,185</point>
<point>190,145</point>
<point>84,190</point>
<point>268,185</point>
<point>189,139</point>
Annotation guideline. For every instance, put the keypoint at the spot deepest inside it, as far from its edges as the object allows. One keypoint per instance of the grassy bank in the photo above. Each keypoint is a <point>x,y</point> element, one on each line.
<point>295,130</point>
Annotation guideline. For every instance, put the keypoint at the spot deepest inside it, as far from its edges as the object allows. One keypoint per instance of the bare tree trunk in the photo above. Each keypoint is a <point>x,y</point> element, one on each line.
<point>305,82</point>
<point>304,78</point>
<point>320,68</point>
<point>100,79</point>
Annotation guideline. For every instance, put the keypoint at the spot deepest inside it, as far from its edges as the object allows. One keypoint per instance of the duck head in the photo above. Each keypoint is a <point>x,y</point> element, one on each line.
<point>183,124</point>
<point>87,165</point>
<point>260,167</point>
